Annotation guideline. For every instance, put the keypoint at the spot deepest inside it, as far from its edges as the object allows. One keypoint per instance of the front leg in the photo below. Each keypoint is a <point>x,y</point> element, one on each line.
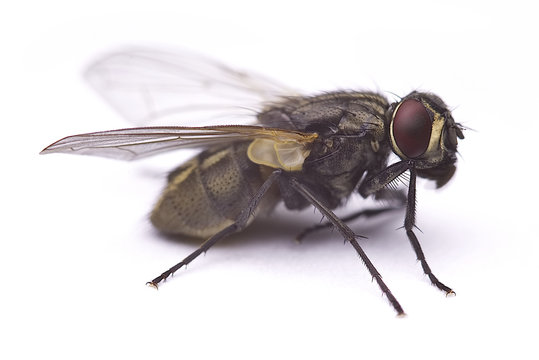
<point>409,224</point>
<point>377,183</point>
<point>382,179</point>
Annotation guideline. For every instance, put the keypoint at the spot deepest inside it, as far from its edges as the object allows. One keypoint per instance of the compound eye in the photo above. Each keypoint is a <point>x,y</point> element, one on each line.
<point>412,127</point>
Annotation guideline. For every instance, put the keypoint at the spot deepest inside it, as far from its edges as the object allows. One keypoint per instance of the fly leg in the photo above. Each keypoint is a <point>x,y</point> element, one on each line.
<point>239,224</point>
<point>409,224</point>
<point>328,224</point>
<point>393,196</point>
<point>350,236</point>
<point>379,181</point>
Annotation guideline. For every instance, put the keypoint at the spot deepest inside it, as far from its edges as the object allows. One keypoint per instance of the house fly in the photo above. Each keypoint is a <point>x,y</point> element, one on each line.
<point>302,150</point>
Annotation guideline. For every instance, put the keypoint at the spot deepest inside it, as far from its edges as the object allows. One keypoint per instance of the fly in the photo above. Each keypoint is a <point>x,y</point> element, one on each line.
<point>301,150</point>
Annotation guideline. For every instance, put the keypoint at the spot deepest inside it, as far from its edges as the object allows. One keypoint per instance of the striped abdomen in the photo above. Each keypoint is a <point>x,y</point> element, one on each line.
<point>208,192</point>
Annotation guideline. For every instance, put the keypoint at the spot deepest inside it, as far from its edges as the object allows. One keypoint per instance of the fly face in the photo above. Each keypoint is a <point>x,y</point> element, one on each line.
<point>423,131</point>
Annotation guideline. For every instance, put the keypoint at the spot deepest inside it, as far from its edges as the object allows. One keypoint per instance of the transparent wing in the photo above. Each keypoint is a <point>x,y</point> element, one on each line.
<point>136,143</point>
<point>151,86</point>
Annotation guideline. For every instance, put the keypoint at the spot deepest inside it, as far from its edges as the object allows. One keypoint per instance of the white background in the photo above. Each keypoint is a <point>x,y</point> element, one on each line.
<point>76,246</point>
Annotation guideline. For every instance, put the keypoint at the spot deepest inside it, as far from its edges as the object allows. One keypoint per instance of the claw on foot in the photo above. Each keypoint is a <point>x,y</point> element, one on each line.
<point>152,284</point>
<point>450,293</point>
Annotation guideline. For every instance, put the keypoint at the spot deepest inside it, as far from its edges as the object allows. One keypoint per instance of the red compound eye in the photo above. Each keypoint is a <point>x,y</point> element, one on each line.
<point>411,128</point>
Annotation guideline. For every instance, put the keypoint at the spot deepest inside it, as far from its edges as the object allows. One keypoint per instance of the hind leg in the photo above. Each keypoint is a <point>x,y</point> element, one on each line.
<point>239,224</point>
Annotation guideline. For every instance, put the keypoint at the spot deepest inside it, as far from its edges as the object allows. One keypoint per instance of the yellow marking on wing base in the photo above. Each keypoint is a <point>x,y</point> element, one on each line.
<point>288,156</point>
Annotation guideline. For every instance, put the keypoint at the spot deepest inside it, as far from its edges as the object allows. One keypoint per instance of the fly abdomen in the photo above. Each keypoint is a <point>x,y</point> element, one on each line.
<point>207,193</point>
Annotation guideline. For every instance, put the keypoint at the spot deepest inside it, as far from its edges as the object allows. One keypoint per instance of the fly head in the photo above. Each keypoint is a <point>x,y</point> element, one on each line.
<point>423,132</point>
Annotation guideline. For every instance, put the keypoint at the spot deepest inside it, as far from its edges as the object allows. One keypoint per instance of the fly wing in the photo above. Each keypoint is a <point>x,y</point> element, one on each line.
<point>136,143</point>
<point>149,86</point>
